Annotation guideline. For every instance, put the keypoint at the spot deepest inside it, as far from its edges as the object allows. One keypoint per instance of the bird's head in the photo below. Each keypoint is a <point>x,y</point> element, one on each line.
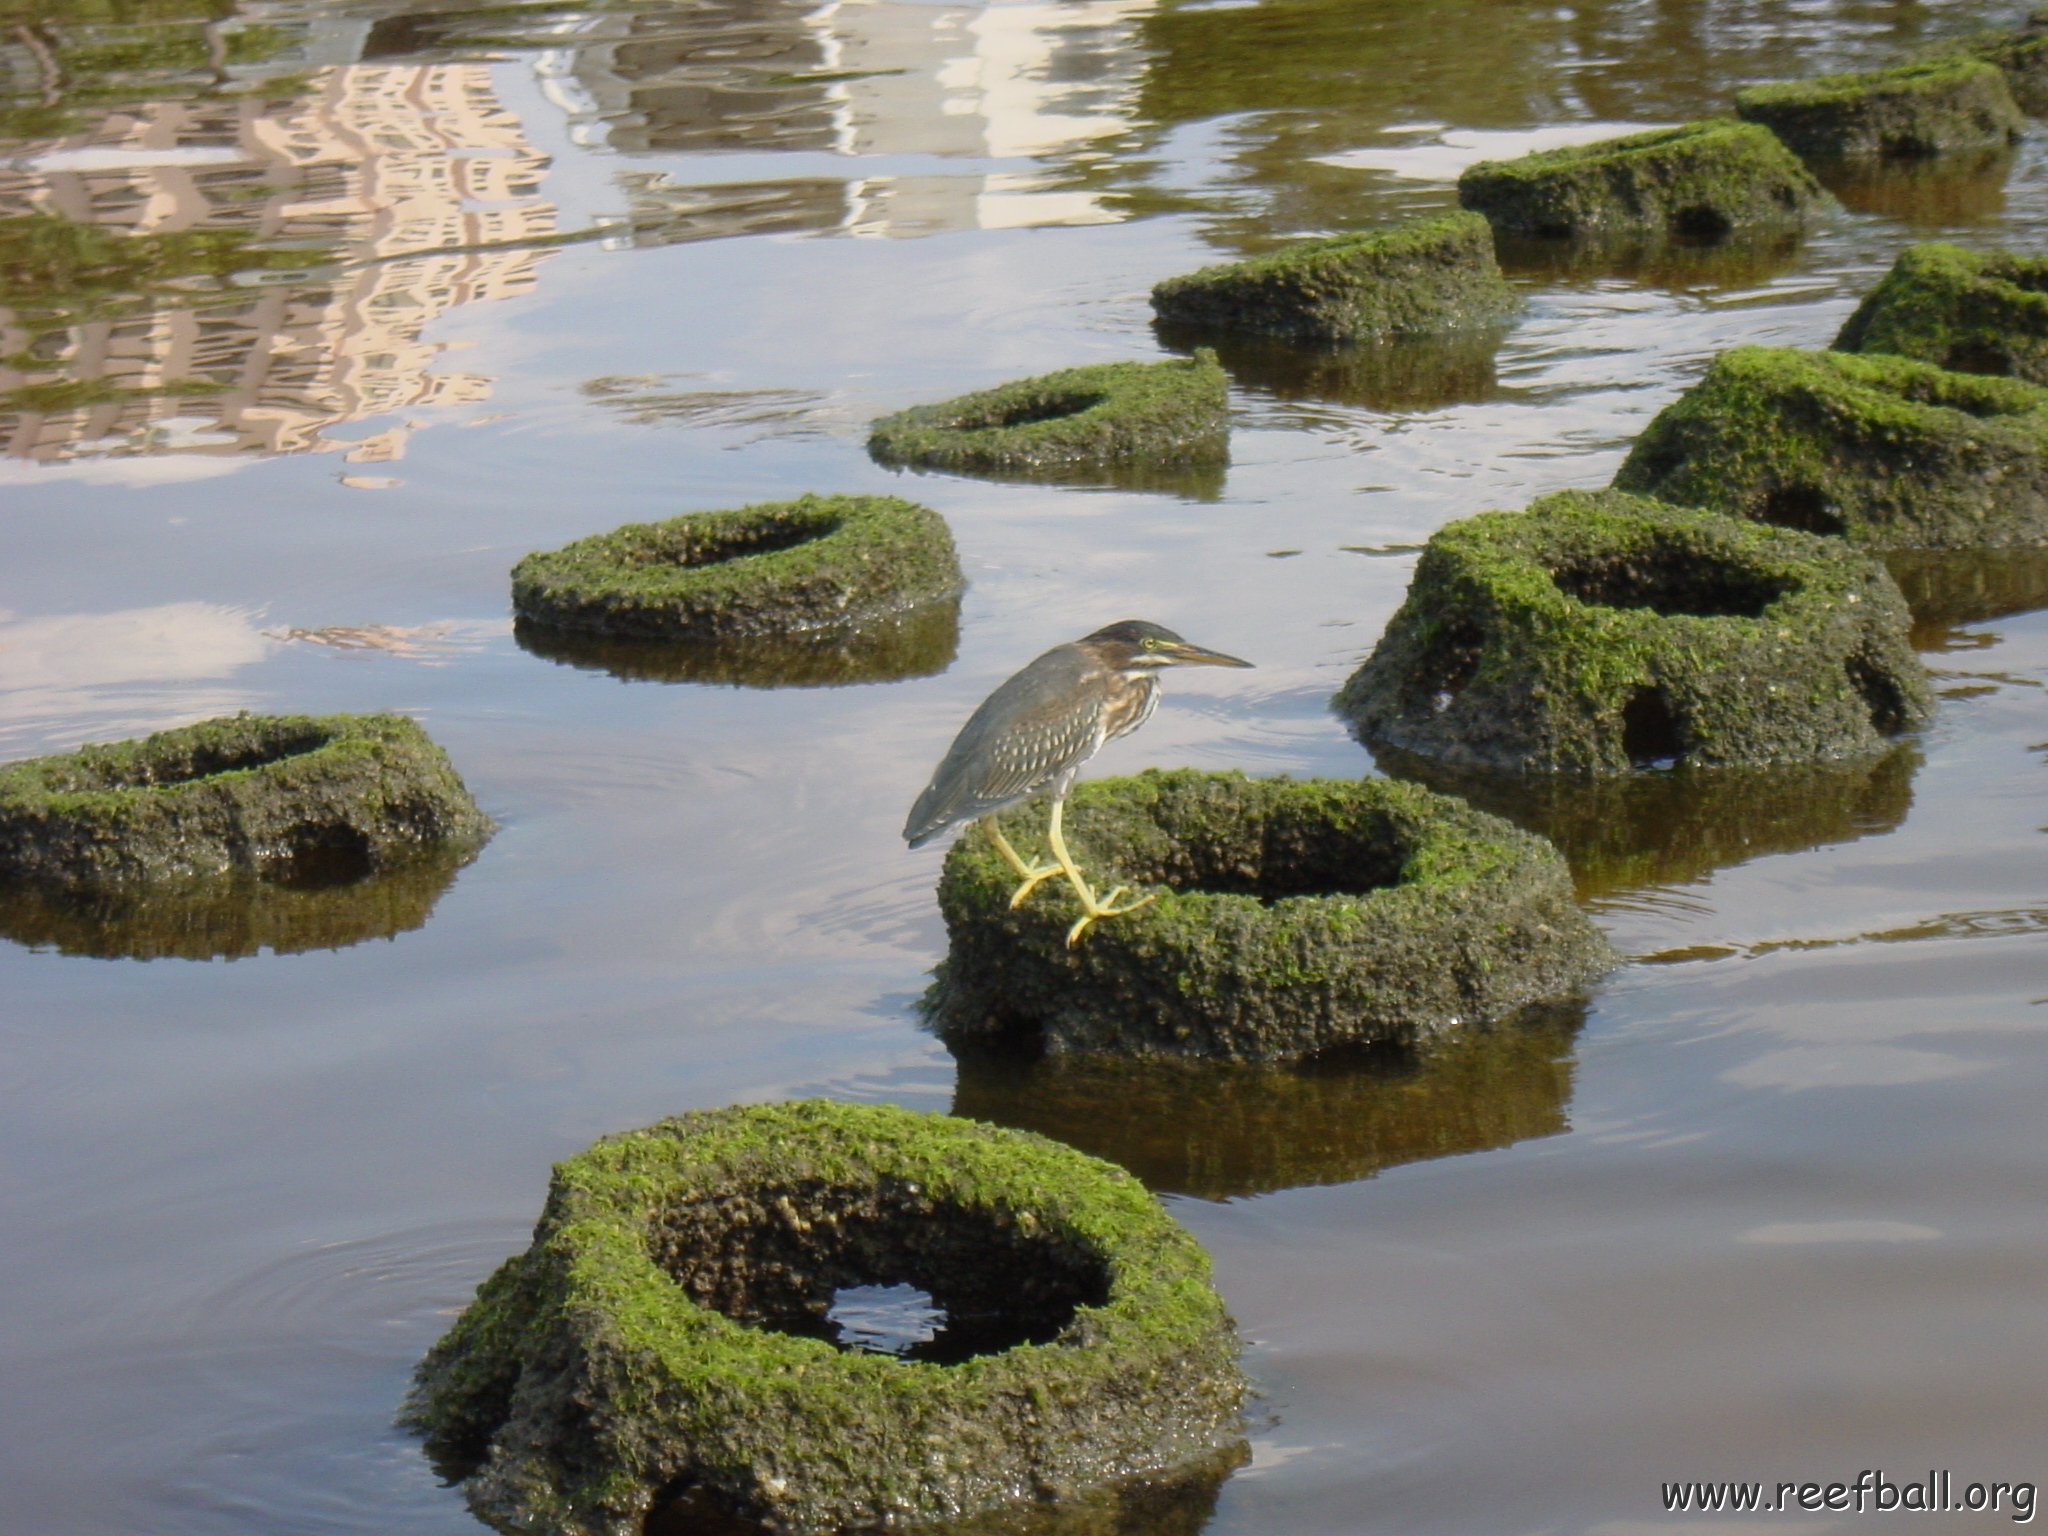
<point>1137,645</point>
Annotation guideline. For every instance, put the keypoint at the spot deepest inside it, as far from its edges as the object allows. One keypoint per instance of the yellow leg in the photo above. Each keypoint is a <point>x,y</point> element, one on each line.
<point>1034,874</point>
<point>1091,908</point>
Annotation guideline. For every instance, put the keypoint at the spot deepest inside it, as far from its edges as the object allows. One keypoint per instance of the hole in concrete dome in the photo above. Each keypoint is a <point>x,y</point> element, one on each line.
<point>181,762</point>
<point>1651,735</point>
<point>1882,695</point>
<point>1801,507</point>
<point>1292,851</point>
<point>1024,412</point>
<point>315,857</point>
<point>1449,661</point>
<point>885,1269</point>
<point>696,547</point>
<point>1668,581</point>
<point>1702,223</point>
<point>1985,357</point>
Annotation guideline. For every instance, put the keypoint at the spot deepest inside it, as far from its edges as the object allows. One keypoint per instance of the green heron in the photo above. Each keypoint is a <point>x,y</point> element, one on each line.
<point>1031,736</point>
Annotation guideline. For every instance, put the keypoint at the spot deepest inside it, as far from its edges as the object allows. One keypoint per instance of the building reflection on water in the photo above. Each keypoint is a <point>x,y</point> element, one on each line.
<point>370,178</point>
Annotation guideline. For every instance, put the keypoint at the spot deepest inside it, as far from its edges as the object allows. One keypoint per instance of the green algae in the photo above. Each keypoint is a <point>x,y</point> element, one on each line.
<point>2022,55</point>
<point>1424,277</point>
<point>775,568</point>
<point>634,1350</point>
<point>1290,917</point>
<point>1104,414</point>
<point>1970,311</point>
<point>278,797</point>
<point>1701,181</point>
<point>1930,107</point>
<point>1887,451</point>
<point>1599,632</point>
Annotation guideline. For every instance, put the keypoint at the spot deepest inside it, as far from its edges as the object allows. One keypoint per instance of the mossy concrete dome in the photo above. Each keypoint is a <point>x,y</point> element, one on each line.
<point>1703,180</point>
<point>1933,107</point>
<point>296,797</point>
<point>1099,415</point>
<point>819,562</point>
<point>1291,917</point>
<point>1597,632</point>
<point>2022,54</point>
<point>1971,311</point>
<point>667,1330</point>
<point>1424,277</point>
<point>1887,451</point>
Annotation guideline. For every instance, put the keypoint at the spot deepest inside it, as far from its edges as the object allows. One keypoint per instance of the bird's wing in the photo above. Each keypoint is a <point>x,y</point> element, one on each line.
<point>1023,737</point>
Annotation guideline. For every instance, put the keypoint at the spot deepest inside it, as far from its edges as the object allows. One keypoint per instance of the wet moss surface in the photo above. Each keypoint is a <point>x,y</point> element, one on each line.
<point>1291,917</point>
<point>1601,633</point>
<point>1970,311</point>
<point>2022,56</point>
<point>294,799</point>
<point>920,643</point>
<point>775,568</point>
<point>1104,414</point>
<point>662,1336</point>
<point>1425,277</point>
<point>1700,182</point>
<point>1223,1130</point>
<point>1932,107</point>
<point>1887,451</point>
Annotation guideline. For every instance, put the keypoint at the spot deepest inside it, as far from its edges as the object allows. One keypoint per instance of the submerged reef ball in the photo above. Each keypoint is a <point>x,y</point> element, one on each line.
<point>1105,413</point>
<point>818,562</point>
<point>316,799</point>
<point>1886,451</point>
<point>1972,311</point>
<point>1418,278</point>
<point>668,1330</point>
<point>1702,181</point>
<point>1291,917</point>
<point>1935,107</point>
<point>1598,632</point>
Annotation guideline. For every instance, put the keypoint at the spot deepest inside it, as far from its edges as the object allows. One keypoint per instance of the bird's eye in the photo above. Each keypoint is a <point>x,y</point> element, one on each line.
<point>1151,643</point>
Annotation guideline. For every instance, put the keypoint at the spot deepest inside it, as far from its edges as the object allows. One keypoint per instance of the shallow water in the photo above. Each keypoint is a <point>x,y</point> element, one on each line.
<point>1769,1207</point>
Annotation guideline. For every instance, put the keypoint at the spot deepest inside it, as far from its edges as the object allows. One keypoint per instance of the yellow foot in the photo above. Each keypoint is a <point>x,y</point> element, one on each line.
<point>1034,875</point>
<point>1106,907</point>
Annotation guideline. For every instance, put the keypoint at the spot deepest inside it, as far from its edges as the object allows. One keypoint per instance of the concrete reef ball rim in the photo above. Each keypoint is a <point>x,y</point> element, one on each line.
<point>828,562</point>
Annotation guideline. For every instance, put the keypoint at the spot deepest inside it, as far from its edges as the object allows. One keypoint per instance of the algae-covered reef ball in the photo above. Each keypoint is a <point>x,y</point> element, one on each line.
<point>669,1331</point>
<point>1424,277</point>
<point>1702,181</point>
<point>1935,107</point>
<point>1972,311</point>
<point>1887,451</point>
<point>2022,54</point>
<point>776,568</point>
<point>1099,416</point>
<point>1286,917</point>
<point>1598,632</point>
<point>295,797</point>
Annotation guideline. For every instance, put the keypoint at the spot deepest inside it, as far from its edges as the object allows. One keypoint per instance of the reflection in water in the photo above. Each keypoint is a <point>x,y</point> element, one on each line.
<point>1201,480</point>
<point>1947,589</point>
<point>206,267</point>
<point>921,643</point>
<point>649,400</point>
<point>227,919</point>
<point>1625,831</point>
<point>1403,374</point>
<point>1677,266</point>
<point>1937,193</point>
<point>1218,1131</point>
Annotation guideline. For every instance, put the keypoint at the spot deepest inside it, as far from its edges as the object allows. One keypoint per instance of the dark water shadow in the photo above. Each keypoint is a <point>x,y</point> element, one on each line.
<point>1625,831</point>
<point>1677,266</point>
<point>1191,480</point>
<point>1177,1505</point>
<point>1934,193</point>
<point>1948,589</point>
<point>1410,373</point>
<point>921,643</point>
<point>230,918</point>
<point>1222,1130</point>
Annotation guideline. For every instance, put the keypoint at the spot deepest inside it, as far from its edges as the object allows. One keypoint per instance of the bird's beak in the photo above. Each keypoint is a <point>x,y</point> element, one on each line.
<point>1186,655</point>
